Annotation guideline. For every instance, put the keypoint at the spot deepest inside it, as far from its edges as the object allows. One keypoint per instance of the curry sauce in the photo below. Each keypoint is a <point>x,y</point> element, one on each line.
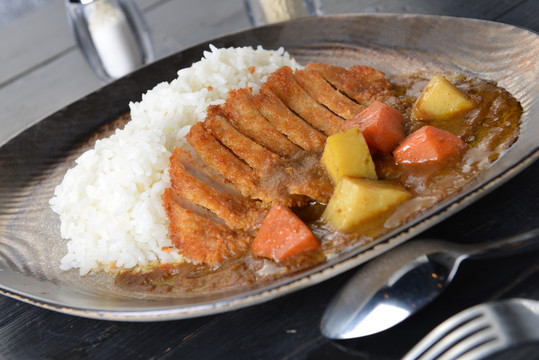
<point>488,130</point>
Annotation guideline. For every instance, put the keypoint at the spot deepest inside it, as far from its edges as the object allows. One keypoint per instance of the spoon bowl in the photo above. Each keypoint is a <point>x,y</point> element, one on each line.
<point>399,283</point>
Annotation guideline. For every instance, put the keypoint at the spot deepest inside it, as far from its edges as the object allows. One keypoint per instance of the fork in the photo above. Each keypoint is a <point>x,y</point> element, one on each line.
<point>481,331</point>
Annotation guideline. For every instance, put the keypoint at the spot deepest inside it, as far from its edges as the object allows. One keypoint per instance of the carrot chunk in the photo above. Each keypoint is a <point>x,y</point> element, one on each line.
<point>381,126</point>
<point>428,144</point>
<point>282,235</point>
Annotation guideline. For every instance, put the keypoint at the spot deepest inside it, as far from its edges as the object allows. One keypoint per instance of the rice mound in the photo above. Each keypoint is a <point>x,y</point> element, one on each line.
<point>110,203</point>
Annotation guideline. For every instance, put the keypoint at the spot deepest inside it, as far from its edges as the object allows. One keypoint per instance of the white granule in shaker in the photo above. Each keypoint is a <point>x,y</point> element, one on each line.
<point>113,39</point>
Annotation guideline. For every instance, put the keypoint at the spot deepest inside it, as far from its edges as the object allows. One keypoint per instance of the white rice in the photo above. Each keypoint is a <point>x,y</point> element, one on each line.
<point>110,203</point>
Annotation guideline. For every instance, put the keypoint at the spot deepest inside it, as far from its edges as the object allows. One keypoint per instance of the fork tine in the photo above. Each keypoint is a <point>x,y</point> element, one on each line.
<point>450,333</point>
<point>474,346</point>
<point>481,331</point>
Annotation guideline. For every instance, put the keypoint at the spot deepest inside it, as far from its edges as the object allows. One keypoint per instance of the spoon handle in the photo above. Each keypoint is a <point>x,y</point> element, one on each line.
<point>507,246</point>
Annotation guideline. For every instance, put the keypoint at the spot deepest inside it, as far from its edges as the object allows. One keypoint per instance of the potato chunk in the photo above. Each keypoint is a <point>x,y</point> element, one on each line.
<point>346,154</point>
<point>440,99</point>
<point>356,201</point>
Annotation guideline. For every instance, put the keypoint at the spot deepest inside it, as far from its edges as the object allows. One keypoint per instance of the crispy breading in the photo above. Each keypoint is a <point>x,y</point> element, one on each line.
<point>200,239</point>
<point>245,179</point>
<point>268,147</point>
<point>215,155</point>
<point>284,120</point>
<point>361,83</point>
<point>238,212</point>
<point>255,155</point>
<point>325,94</point>
<point>282,84</point>
<point>242,112</point>
<point>198,168</point>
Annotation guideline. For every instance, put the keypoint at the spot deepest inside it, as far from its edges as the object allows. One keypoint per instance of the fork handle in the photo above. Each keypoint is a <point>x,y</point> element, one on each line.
<point>513,245</point>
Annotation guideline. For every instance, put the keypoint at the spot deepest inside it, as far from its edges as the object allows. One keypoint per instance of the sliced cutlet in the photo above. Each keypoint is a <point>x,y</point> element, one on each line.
<point>242,112</point>
<point>283,84</point>
<point>327,95</point>
<point>284,120</point>
<point>255,155</point>
<point>361,83</point>
<point>223,161</point>
<point>195,208</point>
<point>200,239</point>
<point>218,157</point>
<point>238,212</point>
<point>195,166</point>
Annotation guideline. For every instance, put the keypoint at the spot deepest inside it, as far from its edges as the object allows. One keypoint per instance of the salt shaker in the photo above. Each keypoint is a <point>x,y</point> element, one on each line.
<point>262,12</point>
<point>112,35</point>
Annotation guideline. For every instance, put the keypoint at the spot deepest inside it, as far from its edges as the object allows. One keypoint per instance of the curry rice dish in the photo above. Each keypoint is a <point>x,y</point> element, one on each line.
<point>315,160</point>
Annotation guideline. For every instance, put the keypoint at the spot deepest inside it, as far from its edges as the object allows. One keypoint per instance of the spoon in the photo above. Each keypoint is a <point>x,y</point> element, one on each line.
<point>395,285</point>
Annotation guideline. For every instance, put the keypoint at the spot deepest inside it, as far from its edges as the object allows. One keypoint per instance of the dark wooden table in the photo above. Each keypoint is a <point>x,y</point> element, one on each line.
<point>288,327</point>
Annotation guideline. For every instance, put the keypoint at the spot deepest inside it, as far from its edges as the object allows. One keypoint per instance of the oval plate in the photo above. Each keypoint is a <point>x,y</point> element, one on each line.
<point>35,161</point>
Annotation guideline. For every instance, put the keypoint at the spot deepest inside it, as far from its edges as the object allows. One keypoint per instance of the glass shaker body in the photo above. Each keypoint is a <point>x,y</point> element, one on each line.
<point>112,35</point>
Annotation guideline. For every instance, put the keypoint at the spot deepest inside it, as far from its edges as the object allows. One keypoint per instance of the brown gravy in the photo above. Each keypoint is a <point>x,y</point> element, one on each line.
<point>488,130</point>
